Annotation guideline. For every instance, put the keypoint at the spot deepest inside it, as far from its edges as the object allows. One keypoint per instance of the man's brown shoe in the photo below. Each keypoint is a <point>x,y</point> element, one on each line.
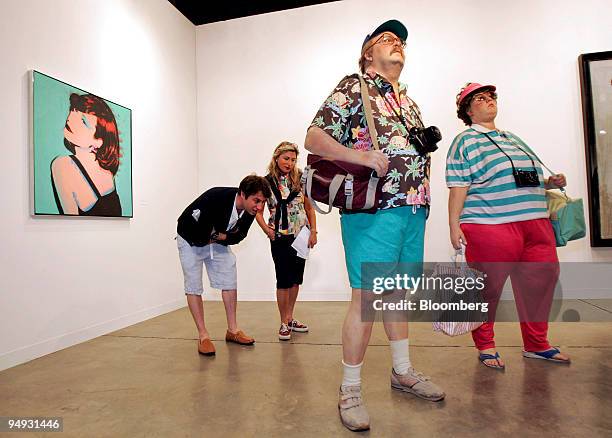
<point>206,347</point>
<point>239,338</point>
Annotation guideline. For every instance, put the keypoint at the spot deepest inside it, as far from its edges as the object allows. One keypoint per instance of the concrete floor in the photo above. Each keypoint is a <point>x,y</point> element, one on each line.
<point>148,381</point>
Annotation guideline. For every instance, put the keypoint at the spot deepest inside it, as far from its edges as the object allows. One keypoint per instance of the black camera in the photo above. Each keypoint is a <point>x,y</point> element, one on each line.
<point>526,178</point>
<point>424,139</point>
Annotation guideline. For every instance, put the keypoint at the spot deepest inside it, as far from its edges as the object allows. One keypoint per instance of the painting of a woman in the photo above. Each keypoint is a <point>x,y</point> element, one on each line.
<point>84,181</point>
<point>81,152</point>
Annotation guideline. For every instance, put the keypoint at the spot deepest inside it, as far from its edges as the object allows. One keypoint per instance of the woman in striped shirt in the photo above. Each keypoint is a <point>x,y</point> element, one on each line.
<point>497,208</point>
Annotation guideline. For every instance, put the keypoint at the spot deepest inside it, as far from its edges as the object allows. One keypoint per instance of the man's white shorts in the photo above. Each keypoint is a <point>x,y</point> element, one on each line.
<point>220,264</point>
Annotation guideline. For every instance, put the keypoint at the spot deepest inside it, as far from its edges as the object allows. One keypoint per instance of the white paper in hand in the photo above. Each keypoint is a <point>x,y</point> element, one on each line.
<point>300,244</point>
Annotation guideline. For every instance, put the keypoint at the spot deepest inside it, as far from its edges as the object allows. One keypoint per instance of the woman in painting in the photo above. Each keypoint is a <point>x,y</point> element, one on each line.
<point>290,211</point>
<point>84,182</point>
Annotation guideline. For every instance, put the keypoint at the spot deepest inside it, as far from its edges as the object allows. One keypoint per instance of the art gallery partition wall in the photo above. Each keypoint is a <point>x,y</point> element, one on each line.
<point>209,105</point>
<point>269,86</point>
<point>65,280</point>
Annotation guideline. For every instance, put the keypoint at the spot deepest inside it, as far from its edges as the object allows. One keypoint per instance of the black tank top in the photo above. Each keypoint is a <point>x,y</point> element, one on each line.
<point>107,205</point>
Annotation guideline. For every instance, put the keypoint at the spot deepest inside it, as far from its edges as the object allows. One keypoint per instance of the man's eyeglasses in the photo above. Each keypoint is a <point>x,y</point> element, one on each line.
<point>388,40</point>
<point>484,97</point>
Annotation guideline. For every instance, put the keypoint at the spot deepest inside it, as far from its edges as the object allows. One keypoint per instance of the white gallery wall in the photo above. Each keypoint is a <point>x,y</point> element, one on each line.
<point>261,79</point>
<point>65,280</point>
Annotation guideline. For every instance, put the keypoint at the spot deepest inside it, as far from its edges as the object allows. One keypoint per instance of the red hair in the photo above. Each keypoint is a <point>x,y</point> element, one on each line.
<point>106,129</point>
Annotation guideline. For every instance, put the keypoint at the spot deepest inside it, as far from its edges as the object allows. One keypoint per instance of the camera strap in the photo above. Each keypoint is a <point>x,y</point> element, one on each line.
<point>534,154</point>
<point>508,156</point>
<point>399,115</point>
<point>536,157</point>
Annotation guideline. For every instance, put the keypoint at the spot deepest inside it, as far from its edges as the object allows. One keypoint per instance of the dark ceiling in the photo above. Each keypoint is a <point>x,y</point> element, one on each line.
<point>202,11</point>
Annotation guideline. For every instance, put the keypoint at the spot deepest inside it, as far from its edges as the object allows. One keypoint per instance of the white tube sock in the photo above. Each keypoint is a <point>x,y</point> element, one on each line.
<point>352,374</point>
<point>401,356</point>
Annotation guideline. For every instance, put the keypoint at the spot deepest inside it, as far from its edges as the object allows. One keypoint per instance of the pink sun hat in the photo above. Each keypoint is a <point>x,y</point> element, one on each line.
<point>470,88</point>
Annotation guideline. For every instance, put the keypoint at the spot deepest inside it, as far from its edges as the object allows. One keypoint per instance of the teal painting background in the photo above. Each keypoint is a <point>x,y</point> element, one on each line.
<point>51,102</point>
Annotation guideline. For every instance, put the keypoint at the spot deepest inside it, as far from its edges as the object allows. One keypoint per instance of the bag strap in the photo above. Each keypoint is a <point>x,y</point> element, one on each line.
<point>367,108</point>
<point>333,189</point>
<point>370,192</point>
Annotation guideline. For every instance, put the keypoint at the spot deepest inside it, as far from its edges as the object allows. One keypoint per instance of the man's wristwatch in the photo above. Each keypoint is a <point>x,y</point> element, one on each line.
<point>214,236</point>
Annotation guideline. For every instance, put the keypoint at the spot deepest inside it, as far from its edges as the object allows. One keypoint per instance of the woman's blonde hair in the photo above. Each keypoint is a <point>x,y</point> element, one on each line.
<point>295,174</point>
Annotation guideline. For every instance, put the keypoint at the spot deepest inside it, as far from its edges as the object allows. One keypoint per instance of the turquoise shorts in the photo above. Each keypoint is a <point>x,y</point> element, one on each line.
<point>395,235</point>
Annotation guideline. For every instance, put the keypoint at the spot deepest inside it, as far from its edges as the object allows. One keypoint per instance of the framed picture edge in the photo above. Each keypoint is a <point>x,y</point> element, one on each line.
<point>31,141</point>
<point>590,146</point>
<point>31,148</point>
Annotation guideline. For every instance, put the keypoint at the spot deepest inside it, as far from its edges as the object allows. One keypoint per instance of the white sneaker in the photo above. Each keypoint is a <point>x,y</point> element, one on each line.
<point>416,383</point>
<point>353,413</point>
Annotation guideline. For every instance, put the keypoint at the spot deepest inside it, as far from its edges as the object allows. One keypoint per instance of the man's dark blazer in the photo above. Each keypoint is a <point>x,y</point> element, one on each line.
<point>215,209</point>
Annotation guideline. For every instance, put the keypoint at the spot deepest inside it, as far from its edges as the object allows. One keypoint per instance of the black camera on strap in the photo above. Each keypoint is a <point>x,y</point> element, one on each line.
<point>424,139</point>
<point>526,178</point>
<point>522,177</point>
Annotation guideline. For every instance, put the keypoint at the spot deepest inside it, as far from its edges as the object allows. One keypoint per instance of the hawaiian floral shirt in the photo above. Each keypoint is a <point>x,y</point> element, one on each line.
<point>342,116</point>
<point>295,210</point>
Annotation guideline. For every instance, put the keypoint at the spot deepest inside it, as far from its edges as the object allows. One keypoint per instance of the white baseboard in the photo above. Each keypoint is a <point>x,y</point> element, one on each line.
<point>303,296</point>
<point>568,294</point>
<point>48,346</point>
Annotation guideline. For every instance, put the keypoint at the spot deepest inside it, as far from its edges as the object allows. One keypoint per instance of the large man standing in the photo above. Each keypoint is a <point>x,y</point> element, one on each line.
<point>206,229</point>
<point>396,232</point>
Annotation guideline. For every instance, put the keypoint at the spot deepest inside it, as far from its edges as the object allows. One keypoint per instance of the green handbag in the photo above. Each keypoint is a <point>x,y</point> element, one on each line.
<point>566,216</point>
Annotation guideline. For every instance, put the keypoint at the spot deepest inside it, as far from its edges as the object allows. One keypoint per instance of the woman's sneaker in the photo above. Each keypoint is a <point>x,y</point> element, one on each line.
<point>284,332</point>
<point>297,326</point>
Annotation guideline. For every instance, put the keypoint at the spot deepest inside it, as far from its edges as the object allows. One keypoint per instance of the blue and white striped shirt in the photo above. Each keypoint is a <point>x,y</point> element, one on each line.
<point>493,198</point>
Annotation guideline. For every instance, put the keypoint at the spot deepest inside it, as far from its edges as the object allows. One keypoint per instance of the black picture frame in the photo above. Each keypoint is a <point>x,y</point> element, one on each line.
<point>596,90</point>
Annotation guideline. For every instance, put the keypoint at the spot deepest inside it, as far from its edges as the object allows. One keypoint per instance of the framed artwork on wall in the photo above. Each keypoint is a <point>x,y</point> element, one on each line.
<point>81,152</point>
<point>596,87</point>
